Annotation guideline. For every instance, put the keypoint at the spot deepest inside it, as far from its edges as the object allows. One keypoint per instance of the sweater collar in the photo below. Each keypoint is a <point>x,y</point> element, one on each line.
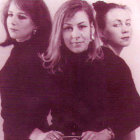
<point>23,44</point>
<point>71,57</point>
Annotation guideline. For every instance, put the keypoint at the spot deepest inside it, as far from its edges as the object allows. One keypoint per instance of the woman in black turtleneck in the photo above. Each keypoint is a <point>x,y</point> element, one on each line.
<point>28,26</point>
<point>94,95</point>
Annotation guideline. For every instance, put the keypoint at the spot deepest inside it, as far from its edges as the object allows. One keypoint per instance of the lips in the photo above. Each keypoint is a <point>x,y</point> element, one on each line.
<point>76,42</point>
<point>125,38</point>
<point>13,30</point>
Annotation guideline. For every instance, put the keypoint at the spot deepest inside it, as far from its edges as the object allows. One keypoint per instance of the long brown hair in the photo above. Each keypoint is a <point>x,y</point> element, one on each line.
<point>38,12</point>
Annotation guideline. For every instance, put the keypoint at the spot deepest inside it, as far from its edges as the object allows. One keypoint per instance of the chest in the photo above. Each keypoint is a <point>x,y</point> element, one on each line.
<point>82,83</point>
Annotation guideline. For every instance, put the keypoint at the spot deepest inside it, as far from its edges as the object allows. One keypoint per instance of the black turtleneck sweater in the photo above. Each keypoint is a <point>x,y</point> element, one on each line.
<point>21,87</point>
<point>84,96</point>
<point>95,95</point>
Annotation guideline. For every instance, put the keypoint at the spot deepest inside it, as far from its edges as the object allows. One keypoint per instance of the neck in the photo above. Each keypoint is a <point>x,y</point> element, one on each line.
<point>23,39</point>
<point>117,50</point>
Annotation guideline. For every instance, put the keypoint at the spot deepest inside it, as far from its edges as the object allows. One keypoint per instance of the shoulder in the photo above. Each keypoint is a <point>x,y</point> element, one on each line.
<point>7,47</point>
<point>116,70</point>
<point>110,56</point>
<point>114,61</point>
<point>4,54</point>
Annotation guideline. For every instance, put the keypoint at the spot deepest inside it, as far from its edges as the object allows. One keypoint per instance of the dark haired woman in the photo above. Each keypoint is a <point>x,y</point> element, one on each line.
<point>28,27</point>
<point>114,22</point>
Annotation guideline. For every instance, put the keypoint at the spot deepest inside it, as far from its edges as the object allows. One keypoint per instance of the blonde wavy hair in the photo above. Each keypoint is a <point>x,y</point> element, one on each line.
<point>53,55</point>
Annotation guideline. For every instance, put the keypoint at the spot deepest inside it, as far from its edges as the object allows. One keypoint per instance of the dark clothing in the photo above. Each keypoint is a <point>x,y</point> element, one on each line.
<point>21,87</point>
<point>85,96</point>
<point>94,96</point>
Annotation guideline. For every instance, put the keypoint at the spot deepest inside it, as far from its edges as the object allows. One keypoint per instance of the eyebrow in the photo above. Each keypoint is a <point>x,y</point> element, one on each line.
<point>71,24</point>
<point>128,19</point>
<point>120,20</point>
<point>18,13</point>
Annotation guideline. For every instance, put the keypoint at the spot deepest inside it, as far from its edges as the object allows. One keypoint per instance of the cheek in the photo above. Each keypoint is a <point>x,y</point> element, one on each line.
<point>26,30</point>
<point>8,22</point>
<point>112,34</point>
<point>131,31</point>
<point>66,37</point>
<point>27,25</point>
<point>87,34</point>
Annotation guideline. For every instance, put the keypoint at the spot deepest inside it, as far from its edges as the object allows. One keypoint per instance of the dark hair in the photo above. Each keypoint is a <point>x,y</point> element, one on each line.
<point>102,8</point>
<point>39,13</point>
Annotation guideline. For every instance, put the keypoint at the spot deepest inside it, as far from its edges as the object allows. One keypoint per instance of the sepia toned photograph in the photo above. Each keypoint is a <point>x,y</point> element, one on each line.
<point>69,70</point>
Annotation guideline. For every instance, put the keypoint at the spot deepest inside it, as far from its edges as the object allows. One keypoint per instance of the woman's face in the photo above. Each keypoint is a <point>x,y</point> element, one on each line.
<point>20,25</point>
<point>77,32</point>
<point>118,28</point>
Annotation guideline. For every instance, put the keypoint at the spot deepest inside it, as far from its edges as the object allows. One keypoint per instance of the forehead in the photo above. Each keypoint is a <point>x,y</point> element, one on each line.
<point>78,17</point>
<point>15,8</point>
<point>118,14</point>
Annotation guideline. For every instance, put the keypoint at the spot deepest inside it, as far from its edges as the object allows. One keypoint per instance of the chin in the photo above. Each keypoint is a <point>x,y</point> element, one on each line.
<point>13,36</point>
<point>76,52</point>
<point>80,51</point>
<point>125,45</point>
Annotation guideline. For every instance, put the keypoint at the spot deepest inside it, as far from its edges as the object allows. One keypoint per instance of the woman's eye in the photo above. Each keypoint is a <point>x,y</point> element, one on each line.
<point>128,24</point>
<point>22,17</point>
<point>116,25</point>
<point>67,28</point>
<point>82,26</point>
<point>10,14</point>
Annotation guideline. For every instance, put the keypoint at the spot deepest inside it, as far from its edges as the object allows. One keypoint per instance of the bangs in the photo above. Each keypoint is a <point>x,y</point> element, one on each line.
<point>71,12</point>
<point>26,5</point>
<point>19,4</point>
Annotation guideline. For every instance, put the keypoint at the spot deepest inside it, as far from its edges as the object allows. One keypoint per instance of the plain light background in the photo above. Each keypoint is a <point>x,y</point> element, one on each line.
<point>130,54</point>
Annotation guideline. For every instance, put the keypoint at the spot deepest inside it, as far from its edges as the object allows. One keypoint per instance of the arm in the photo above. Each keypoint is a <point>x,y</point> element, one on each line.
<point>125,101</point>
<point>24,102</point>
<point>20,120</point>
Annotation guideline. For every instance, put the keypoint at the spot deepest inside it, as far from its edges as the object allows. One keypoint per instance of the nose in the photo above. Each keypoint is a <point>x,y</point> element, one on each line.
<point>125,29</point>
<point>14,20</point>
<point>75,33</point>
